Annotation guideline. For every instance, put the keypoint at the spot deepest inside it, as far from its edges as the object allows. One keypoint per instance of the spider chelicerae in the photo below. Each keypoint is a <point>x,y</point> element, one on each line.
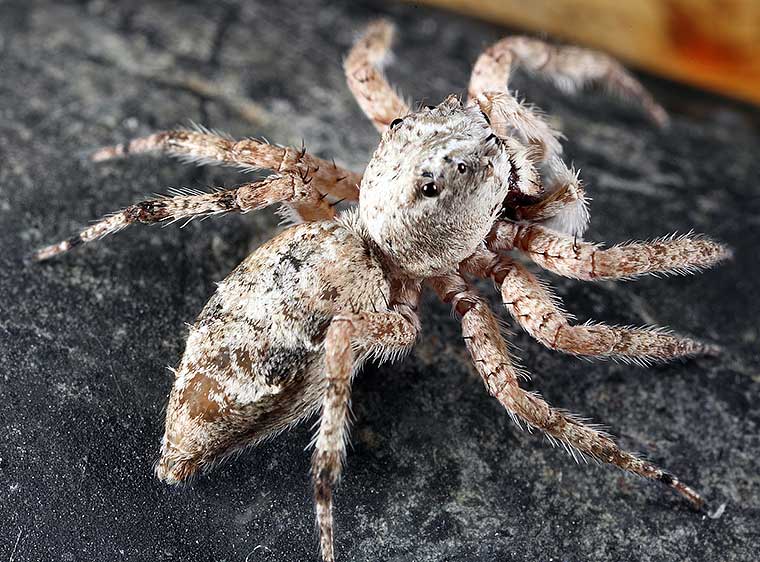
<point>451,191</point>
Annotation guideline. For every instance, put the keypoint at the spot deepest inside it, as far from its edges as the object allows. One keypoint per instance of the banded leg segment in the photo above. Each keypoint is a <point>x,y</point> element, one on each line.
<point>540,313</point>
<point>290,189</point>
<point>570,68</point>
<point>570,257</point>
<point>377,98</point>
<point>207,148</point>
<point>488,350</point>
<point>389,331</point>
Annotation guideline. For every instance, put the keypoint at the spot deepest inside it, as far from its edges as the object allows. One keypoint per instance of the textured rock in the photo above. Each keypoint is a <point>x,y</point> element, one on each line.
<point>437,471</point>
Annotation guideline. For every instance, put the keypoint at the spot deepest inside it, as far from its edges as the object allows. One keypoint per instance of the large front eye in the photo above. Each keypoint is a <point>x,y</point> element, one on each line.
<point>430,190</point>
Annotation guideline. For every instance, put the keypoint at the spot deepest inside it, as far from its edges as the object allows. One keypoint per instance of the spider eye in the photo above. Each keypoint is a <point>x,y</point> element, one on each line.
<point>396,122</point>
<point>461,167</point>
<point>430,190</point>
<point>430,107</point>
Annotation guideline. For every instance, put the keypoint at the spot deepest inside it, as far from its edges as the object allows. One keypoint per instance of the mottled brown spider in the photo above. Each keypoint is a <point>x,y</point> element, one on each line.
<point>449,193</point>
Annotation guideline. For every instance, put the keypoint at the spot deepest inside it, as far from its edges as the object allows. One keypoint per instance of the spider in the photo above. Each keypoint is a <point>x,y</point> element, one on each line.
<point>451,192</point>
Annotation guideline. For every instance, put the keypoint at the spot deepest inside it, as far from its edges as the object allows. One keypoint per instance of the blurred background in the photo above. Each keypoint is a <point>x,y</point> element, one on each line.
<point>714,44</point>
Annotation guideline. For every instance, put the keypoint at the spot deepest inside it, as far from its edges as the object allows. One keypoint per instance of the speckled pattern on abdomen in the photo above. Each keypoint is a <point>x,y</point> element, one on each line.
<point>254,358</point>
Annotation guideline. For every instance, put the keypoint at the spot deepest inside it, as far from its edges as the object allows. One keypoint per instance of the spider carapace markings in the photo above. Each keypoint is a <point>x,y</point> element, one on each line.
<point>451,192</point>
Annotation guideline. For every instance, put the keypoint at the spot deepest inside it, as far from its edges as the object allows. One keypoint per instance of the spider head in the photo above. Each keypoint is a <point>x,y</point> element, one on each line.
<point>434,187</point>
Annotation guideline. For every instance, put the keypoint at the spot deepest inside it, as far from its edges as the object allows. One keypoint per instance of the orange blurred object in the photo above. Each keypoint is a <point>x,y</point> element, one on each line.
<point>714,44</point>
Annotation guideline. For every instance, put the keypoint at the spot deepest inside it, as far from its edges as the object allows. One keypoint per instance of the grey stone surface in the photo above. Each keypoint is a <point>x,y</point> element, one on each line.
<point>437,471</point>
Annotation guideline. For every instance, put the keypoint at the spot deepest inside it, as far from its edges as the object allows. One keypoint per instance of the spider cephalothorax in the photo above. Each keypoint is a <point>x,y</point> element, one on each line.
<point>439,174</point>
<point>450,191</point>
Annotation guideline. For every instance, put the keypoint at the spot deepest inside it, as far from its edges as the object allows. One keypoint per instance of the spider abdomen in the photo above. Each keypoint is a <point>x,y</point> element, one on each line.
<point>254,358</point>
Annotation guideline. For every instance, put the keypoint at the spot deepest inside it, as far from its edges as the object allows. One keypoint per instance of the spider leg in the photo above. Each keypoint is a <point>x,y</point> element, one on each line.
<point>540,313</point>
<point>203,147</point>
<point>363,68</point>
<point>289,188</point>
<point>508,116</point>
<point>570,68</point>
<point>566,195</point>
<point>387,332</point>
<point>489,352</point>
<point>564,204</point>
<point>569,257</point>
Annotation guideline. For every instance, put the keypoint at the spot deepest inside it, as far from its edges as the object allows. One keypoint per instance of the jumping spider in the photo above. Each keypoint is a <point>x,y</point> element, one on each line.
<point>448,193</point>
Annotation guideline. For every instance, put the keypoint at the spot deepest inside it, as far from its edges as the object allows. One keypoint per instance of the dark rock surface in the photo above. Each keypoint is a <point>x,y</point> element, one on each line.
<point>437,471</point>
